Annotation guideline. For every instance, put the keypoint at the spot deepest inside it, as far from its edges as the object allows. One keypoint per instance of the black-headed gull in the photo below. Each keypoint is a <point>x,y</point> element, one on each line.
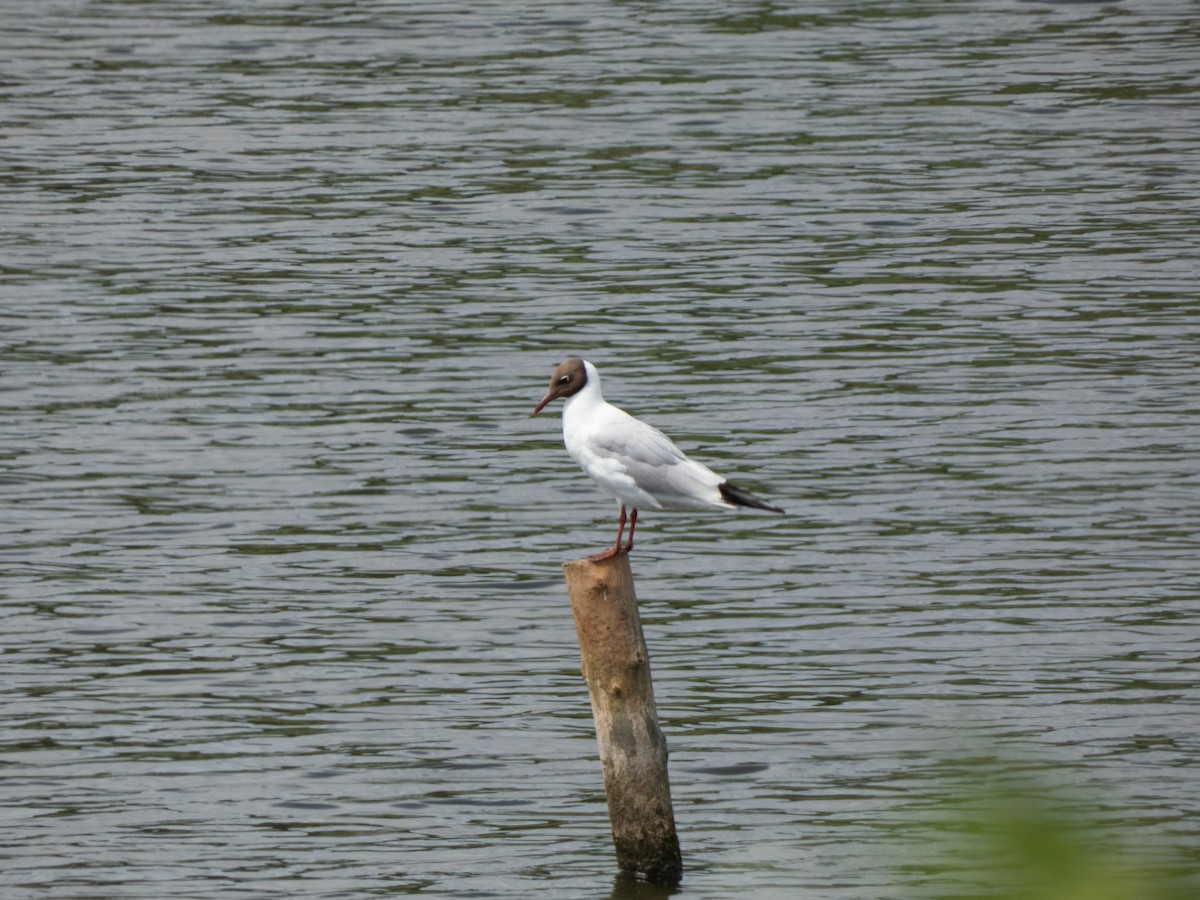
<point>634,463</point>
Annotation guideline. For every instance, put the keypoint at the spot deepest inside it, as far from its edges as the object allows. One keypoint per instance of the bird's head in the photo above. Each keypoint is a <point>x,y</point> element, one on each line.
<point>568,379</point>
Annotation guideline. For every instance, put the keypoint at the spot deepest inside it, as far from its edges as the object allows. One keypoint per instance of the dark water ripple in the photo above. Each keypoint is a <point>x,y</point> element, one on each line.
<point>282,612</point>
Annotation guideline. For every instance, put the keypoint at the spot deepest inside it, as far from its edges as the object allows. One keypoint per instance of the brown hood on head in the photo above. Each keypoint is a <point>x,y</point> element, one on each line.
<point>568,379</point>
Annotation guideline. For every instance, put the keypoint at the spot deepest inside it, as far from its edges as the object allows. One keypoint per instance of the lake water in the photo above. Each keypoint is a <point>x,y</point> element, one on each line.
<point>282,607</point>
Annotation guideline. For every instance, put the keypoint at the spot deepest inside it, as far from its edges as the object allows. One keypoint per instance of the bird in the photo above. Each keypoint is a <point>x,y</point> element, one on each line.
<point>633,462</point>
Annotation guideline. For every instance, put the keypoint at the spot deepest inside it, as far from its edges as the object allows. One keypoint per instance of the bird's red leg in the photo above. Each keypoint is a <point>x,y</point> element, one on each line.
<point>632,525</point>
<point>621,529</point>
<point>616,547</point>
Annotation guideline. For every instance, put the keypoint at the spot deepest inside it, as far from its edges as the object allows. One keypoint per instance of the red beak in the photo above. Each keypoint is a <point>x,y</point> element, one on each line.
<point>542,405</point>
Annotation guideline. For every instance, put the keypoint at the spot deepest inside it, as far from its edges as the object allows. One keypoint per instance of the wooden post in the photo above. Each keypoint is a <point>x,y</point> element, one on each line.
<point>616,667</point>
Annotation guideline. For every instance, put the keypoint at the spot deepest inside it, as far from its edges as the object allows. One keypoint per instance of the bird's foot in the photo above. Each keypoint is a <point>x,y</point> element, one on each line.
<point>605,554</point>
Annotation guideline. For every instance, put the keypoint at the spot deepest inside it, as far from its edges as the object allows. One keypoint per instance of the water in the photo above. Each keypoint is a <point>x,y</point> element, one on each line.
<point>283,613</point>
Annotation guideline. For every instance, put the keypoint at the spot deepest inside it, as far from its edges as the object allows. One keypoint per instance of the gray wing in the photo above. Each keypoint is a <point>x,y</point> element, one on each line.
<point>639,443</point>
<point>658,466</point>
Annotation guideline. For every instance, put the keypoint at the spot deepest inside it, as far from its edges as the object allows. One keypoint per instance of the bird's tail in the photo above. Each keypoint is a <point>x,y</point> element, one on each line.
<point>735,495</point>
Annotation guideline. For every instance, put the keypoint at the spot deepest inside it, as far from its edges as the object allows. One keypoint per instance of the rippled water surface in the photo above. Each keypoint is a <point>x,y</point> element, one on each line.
<point>282,607</point>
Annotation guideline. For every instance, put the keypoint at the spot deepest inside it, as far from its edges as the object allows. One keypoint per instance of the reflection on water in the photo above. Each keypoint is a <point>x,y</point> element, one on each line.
<point>283,611</point>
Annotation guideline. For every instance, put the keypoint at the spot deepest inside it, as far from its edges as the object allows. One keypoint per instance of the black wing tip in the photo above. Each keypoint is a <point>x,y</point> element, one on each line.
<point>731,493</point>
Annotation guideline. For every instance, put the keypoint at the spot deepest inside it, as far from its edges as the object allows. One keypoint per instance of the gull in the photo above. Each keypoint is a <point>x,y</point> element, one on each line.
<point>634,463</point>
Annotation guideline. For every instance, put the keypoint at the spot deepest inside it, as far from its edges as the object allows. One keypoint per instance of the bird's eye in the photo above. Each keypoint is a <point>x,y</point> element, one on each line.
<point>564,379</point>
